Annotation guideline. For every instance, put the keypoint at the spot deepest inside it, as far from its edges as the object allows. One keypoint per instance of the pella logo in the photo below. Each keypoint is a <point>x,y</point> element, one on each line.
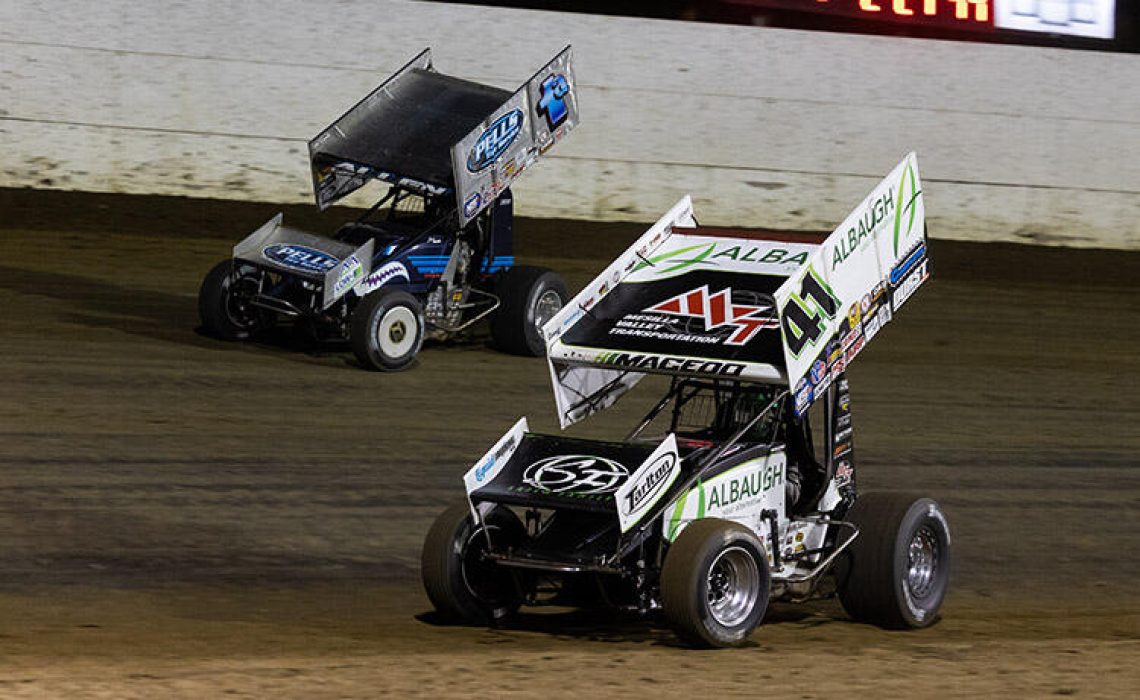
<point>719,311</point>
<point>300,257</point>
<point>495,140</point>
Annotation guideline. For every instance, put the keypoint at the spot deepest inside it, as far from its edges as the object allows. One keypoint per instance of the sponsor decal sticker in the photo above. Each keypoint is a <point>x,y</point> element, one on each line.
<point>551,102</point>
<point>803,397</point>
<point>704,255</point>
<point>575,475</point>
<point>855,347</point>
<point>910,285</point>
<point>471,206</point>
<point>665,363</point>
<point>818,371</point>
<point>905,266</point>
<point>642,491</point>
<point>744,487</point>
<point>482,469</point>
<point>843,472</point>
<point>495,140</point>
<point>299,257</point>
<point>871,326</point>
<point>718,311</point>
<point>869,220</point>
<point>909,193</point>
<point>353,271</point>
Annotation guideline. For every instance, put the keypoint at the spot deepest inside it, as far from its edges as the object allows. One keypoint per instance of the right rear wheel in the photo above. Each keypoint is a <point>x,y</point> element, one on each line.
<point>896,573</point>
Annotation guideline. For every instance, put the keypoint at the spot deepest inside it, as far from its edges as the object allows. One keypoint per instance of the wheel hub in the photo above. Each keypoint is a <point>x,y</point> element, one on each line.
<point>922,562</point>
<point>239,308</point>
<point>545,307</point>
<point>733,586</point>
<point>397,332</point>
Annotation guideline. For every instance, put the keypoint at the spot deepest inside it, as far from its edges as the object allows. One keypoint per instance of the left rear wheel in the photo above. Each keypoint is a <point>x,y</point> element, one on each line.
<point>225,302</point>
<point>462,583</point>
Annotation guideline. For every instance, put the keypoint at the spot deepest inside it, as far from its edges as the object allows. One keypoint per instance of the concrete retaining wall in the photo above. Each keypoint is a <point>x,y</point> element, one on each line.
<point>764,127</point>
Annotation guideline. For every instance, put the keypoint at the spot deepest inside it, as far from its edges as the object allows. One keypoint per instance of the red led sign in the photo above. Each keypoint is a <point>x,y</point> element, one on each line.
<point>947,14</point>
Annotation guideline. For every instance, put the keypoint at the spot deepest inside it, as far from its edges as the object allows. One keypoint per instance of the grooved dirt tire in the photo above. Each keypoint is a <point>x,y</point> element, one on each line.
<point>896,573</point>
<point>462,585</point>
<point>528,298</point>
<point>387,330</point>
<point>715,583</point>
<point>223,304</point>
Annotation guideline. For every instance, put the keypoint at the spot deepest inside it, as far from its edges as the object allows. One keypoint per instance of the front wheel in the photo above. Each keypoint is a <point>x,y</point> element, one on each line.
<point>715,583</point>
<point>225,302</point>
<point>387,330</point>
<point>461,582</point>
<point>896,573</point>
<point>528,298</point>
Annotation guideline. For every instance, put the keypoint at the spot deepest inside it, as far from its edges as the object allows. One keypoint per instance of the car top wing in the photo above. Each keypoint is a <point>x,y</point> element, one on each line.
<point>682,301</point>
<point>688,301</point>
<point>410,129</point>
<point>853,284</point>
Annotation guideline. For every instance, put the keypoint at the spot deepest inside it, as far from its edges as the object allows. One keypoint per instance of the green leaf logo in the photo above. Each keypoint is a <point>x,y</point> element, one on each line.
<point>674,264</point>
<point>906,203</point>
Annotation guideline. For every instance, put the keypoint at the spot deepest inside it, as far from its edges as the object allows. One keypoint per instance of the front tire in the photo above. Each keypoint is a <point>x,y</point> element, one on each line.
<point>387,330</point>
<point>528,298</point>
<point>225,303</point>
<point>897,572</point>
<point>460,582</point>
<point>715,583</point>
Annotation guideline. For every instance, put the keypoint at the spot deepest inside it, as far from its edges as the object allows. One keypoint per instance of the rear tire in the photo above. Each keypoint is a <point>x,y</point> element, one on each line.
<point>387,330</point>
<point>895,575</point>
<point>528,298</point>
<point>715,583</point>
<point>224,303</point>
<point>462,585</point>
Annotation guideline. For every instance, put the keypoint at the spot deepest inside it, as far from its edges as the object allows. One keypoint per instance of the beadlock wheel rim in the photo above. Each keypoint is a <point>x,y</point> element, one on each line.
<point>922,562</point>
<point>481,577</point>
<point>546,306</point>
<point>733,586</point>
<point>396,332</point>
<point>239,307</point>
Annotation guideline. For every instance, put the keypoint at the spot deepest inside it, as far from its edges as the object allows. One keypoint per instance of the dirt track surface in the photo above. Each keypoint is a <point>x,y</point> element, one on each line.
<point>185,517</point>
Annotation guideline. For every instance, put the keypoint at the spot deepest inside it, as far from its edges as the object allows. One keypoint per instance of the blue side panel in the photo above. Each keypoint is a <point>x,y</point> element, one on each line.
<point>435,264</point>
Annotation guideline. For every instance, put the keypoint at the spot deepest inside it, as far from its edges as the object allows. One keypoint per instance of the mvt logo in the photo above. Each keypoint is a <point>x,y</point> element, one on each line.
<point>577,474</point>
<point>552,99</point>
<point>495,140</point>
<point>300,257</point>
<point>719,311</point>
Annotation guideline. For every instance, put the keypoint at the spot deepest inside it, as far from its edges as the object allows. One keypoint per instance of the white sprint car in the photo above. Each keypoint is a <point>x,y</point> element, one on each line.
<point>721,499</point>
